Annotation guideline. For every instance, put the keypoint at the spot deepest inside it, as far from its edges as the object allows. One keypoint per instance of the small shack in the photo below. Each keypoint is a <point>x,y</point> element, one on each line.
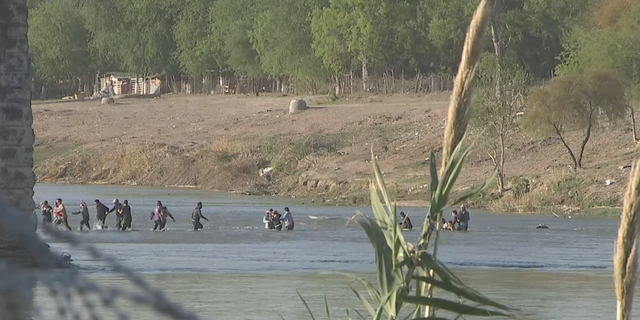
<point>124,83</point>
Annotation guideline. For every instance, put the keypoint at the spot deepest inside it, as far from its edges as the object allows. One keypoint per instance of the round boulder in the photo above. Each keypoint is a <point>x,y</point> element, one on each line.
<point>297,105</point>
<point>107,100</point>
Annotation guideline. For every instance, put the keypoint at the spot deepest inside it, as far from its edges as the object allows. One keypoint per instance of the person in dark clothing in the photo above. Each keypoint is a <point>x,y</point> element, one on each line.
<point>125,212</point>
<point>196,215</point>
<point>47,212</point>
<point>405,222</point>
<point>101,212</point>
<point>276,220</point>
<point>84,211</point>
<point>164,214</point>
<point>116,207</point>
<point>464,217</point>
<point>287,219</point>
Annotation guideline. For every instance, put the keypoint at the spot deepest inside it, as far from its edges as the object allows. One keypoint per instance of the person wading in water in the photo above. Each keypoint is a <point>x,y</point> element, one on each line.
<point>164,214</point>
<point>276,219</point>
<point>156,216</point>
<point>117,206</point>
<point>125,212</point>
<point>101,213</point>
<point>47,212</point>
<point>84,211</point>
<point>463,218</point>
<point>60,213</point>
<point>405,222</point>
<point>268,224</point>
<point>287,219</point>
<point>196,215</point>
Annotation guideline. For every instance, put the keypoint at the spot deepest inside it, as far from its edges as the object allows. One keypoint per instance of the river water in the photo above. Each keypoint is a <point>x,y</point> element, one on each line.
<point>235,269</point>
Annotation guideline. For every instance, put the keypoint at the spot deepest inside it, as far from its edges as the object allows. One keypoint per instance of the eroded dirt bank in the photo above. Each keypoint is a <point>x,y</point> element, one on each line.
<point>324,153</point>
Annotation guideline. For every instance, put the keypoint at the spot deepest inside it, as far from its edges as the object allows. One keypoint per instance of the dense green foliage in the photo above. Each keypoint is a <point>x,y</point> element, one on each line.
<point>306,41</point>
<point>608,41</point>
<point>60,47</point>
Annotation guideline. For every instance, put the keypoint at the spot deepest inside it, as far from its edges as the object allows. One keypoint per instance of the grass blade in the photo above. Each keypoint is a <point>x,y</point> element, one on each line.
<point>364,302</point>
<point>382,308</point>
<point>379,179</point>
<point>475,191</point>
<point>378,209</point>
<point>434,180</point>
<point>464,292</point>
<point>359,314</point>
<point>384,259</point>
<point>440,269</point>
<point>306,305</point>
<point>326,307</point>
<point>454,307</point>
<point>452,171</point>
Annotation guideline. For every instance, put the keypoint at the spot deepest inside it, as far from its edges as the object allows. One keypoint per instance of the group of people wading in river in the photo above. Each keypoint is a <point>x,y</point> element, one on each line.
<point>58,216</point>
<point>275,221</point>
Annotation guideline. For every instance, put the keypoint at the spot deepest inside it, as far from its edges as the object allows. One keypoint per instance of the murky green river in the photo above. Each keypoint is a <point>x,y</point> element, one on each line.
<point>235,269</point>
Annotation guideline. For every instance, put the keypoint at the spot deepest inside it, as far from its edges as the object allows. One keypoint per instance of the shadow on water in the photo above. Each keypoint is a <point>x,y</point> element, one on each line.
<point>17,295</point>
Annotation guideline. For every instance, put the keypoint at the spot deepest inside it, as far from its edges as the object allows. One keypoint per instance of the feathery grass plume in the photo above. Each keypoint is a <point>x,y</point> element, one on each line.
<point>458,119</point>
<point>463,86</point>
<point>625,261</point>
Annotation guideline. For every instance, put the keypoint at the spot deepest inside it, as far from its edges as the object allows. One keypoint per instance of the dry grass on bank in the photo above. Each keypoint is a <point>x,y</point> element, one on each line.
<point>220,143</point>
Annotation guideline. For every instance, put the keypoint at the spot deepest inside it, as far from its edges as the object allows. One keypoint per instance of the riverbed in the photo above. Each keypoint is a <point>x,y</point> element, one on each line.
<point>235,269</point>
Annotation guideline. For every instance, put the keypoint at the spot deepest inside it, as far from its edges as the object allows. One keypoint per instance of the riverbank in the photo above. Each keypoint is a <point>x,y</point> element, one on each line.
<point>322,154</point>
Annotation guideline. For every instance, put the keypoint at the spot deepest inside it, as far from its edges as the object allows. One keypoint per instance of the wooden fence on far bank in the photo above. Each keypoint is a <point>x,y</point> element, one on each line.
<point>213,84</point>
<point>347,85</point>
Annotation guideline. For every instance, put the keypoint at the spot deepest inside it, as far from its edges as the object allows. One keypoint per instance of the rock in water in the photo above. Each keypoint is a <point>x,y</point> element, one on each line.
<point>297,105</point>
<point>107,100</point>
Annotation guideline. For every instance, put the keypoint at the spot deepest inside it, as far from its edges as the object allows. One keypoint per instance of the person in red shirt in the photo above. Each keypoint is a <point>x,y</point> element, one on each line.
<point>60,213</point>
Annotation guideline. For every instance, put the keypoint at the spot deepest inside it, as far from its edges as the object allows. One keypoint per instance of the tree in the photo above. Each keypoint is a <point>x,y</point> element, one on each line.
<point>282,38</point>
<point>142,39</point>
<point>608,46</point>
<point>362,26</point>
<point>59,41</point>
<point>448,21</point>
<point>575,102</point>
<point>16,148</point>
<point>330,44</point>
<point>191,31</point>
<point>412,48</point>
<point>231,23</point>
<point>501,89</point>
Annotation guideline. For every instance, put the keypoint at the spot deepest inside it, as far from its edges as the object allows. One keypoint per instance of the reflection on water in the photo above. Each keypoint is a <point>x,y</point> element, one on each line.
<point>234,269</point>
